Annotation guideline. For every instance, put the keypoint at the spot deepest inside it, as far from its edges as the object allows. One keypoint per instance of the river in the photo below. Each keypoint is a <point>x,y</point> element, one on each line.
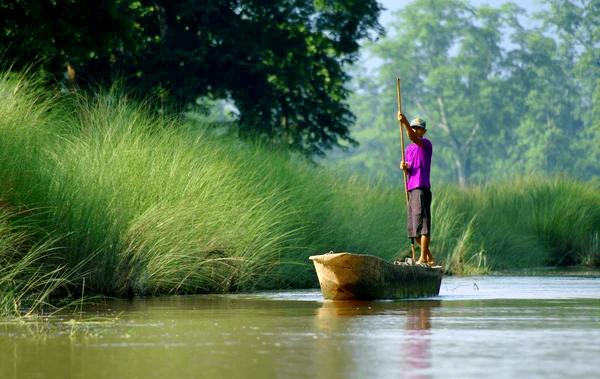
<point>493,327</point>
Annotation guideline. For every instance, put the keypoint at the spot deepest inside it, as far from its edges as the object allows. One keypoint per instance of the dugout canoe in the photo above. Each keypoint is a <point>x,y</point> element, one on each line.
<point>346,276</point>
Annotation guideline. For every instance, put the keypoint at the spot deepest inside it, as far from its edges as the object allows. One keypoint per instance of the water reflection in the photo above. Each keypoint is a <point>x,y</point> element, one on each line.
<point>400,331</point>
<point>417,309</point>
<point>418,343</point>
<point>329,313</point>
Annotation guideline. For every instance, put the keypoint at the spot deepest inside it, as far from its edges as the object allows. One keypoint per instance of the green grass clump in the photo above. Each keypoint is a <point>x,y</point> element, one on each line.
<point>538,222</point>
<point>140,203</point>
<point>27,278</point>
<point>152,208</point>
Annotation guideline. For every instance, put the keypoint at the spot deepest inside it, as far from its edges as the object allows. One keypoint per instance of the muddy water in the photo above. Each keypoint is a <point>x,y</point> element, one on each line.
<point>499,327</point>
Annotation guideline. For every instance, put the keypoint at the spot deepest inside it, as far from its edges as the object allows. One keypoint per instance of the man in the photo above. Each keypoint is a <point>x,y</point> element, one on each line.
<point>418,167</point>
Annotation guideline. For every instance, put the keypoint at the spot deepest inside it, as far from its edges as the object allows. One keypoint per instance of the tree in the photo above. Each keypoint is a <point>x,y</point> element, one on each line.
<point>543,125</point>
<point>54,33</point>
<point>448,56</point>
<point>577,25</point>
<point>501,99</point>
<point>280,61</point>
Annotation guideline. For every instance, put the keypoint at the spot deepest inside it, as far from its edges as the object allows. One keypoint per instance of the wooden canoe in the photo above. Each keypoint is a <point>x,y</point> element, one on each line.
<point>345,276</point>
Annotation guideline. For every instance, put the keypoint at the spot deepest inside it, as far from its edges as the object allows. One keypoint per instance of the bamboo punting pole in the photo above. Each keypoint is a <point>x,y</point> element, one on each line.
<point>399,102</point>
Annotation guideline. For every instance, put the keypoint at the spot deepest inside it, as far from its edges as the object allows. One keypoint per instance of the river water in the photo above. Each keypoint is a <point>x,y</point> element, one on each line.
<point>497,327</point>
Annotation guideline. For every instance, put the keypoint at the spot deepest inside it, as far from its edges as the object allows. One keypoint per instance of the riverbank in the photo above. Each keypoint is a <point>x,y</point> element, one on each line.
<point>101,195</point>
<point>572,271</point>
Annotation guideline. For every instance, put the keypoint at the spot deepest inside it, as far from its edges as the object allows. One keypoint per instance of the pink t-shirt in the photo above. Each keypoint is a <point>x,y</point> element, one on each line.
<point>419,163</point>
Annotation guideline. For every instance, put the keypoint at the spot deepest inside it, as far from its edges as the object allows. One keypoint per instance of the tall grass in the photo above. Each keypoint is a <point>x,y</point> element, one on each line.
<point>537,222</point>
<point>28,280</point>
<point>145,206</point>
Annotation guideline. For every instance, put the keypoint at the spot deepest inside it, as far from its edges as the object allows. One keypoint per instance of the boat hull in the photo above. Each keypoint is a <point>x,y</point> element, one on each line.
<point>345,276</point>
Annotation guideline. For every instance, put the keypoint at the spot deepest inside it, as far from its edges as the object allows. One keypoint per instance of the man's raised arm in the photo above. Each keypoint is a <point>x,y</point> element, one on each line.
<point>411,133</point>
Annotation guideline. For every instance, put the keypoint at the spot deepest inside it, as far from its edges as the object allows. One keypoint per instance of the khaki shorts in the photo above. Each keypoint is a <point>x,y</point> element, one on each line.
<point>419,212</point>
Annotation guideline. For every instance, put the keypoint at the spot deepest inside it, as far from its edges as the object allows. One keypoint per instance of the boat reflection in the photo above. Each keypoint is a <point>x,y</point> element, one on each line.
<point>403,335</point>
<point>418,342</point>
<point>417,312</point>
<point>332,309</point>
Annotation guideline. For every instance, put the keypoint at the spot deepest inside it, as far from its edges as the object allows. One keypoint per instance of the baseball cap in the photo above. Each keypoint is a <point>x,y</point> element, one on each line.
<point>419,123</point>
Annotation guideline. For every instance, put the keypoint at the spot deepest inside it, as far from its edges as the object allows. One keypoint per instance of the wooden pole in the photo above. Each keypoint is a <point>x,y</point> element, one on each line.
<point>399,100</point>
<point>399,103</point>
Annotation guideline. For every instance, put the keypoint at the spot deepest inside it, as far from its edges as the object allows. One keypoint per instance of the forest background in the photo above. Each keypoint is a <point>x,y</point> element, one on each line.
<point>505,93</point>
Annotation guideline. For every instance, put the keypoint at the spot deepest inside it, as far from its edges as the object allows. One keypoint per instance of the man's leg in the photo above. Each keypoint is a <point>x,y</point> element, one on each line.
<point>423,255</point>
<point>425,252</point>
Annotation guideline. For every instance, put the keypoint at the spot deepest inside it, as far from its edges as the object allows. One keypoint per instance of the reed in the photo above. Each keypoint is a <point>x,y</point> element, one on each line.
<point>28,281</point>
<point>137,203</point>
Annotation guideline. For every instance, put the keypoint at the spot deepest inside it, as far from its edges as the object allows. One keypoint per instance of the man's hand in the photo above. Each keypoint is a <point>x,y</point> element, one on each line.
<point>402,118</point>
<point>404,166</point>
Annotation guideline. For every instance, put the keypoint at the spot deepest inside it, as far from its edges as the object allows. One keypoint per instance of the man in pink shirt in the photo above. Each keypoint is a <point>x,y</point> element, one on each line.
<point>418,167</point>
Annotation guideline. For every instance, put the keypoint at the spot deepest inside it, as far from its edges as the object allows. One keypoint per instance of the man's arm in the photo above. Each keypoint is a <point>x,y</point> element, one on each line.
<point>411,133</point>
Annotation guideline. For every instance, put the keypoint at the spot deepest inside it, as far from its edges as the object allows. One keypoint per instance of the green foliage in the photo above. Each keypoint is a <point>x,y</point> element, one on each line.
<point>501,99</point>
<point>29,279</point>
<point>464,259</point>
<point>577,24</point>
<point>280,62</point>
